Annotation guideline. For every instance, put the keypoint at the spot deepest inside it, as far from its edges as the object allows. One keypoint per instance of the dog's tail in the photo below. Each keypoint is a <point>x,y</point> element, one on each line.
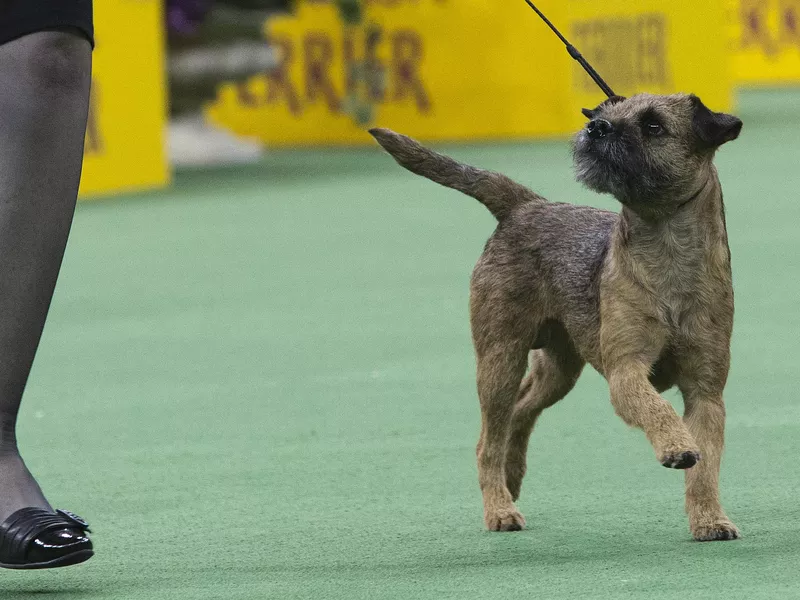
<point>496,192</point>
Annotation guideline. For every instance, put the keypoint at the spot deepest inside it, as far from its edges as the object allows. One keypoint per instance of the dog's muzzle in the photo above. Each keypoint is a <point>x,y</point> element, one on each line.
<point>599,128</point>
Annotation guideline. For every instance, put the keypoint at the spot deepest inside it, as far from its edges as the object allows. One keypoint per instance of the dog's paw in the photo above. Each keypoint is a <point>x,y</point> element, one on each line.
<point>681,460</point>
<point>504,520</point>
<point>715,532</point>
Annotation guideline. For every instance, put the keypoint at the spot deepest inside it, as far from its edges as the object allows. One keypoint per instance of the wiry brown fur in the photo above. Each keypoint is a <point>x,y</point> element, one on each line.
<point>644,296</point>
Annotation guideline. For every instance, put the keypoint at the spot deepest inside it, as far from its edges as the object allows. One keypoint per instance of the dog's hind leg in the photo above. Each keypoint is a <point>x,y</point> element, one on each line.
<point>554,371</point>
<point>501,367</point>
<point>502,341</point>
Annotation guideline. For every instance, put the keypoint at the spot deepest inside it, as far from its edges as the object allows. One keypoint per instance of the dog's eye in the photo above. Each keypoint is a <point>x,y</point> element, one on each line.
<point>653,128</point>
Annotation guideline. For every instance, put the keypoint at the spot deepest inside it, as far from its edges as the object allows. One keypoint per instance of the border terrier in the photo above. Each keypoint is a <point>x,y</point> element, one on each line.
<point>644,295</point>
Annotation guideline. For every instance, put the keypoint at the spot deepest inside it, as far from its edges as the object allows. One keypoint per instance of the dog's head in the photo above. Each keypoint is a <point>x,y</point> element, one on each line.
<point>649,151</point>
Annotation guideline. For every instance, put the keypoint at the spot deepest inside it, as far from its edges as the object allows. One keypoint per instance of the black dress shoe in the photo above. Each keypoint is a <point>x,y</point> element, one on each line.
<point>35,538</point>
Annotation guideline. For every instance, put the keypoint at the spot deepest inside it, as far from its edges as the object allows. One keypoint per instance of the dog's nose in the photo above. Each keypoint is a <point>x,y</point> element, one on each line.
<point>599,128</point>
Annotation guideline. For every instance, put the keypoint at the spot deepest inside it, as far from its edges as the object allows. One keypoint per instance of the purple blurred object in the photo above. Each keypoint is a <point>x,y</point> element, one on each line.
<point>185,16</point>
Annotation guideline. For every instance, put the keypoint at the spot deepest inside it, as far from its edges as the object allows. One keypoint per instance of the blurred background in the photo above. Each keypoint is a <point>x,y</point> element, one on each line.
<point>218,81</point>
<point>261,327</point>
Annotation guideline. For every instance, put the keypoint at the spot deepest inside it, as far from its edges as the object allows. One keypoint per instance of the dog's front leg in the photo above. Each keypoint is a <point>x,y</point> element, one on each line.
<point>638,403</point>
<point>631,343</point>
<point>705,418</point>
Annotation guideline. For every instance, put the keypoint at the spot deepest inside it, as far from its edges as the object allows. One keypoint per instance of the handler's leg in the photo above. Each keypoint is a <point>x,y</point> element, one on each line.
<point>44,98</point>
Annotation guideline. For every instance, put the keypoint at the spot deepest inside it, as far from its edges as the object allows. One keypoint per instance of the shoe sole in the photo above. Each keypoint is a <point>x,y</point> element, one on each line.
<point>75,558</point>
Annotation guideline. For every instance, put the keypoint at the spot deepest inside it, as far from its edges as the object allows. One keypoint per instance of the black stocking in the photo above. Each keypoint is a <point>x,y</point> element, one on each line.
<point>44,97</point>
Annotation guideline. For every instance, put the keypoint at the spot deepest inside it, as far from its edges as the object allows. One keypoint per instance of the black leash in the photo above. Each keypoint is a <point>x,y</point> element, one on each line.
<point>573,52</point>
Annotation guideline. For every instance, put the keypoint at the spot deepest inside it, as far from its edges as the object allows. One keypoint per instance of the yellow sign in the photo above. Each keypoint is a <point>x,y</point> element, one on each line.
<point>652,46</point>
<point>471,69</point>
<point>447,69</point>
<point>125,134</point>
<point>766,36</point>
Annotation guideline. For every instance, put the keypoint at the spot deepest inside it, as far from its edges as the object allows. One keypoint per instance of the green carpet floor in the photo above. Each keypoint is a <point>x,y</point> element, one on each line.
<point>272,372</point>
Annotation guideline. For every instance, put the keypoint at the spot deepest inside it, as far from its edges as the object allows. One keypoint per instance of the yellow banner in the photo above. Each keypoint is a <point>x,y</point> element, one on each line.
<point>125,134</point>
<point>652,46</point>
<point>766,36</point>
<point>471,69</point>
<point>443,70</point>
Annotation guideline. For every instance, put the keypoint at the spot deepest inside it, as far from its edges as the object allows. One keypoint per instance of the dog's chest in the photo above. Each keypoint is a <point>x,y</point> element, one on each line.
<point>687,276</point>
<point>675,285</point>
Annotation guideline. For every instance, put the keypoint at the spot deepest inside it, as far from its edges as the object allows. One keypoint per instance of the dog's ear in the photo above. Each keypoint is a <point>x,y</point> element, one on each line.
<point>591,113</point>
<point>712,128</point>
